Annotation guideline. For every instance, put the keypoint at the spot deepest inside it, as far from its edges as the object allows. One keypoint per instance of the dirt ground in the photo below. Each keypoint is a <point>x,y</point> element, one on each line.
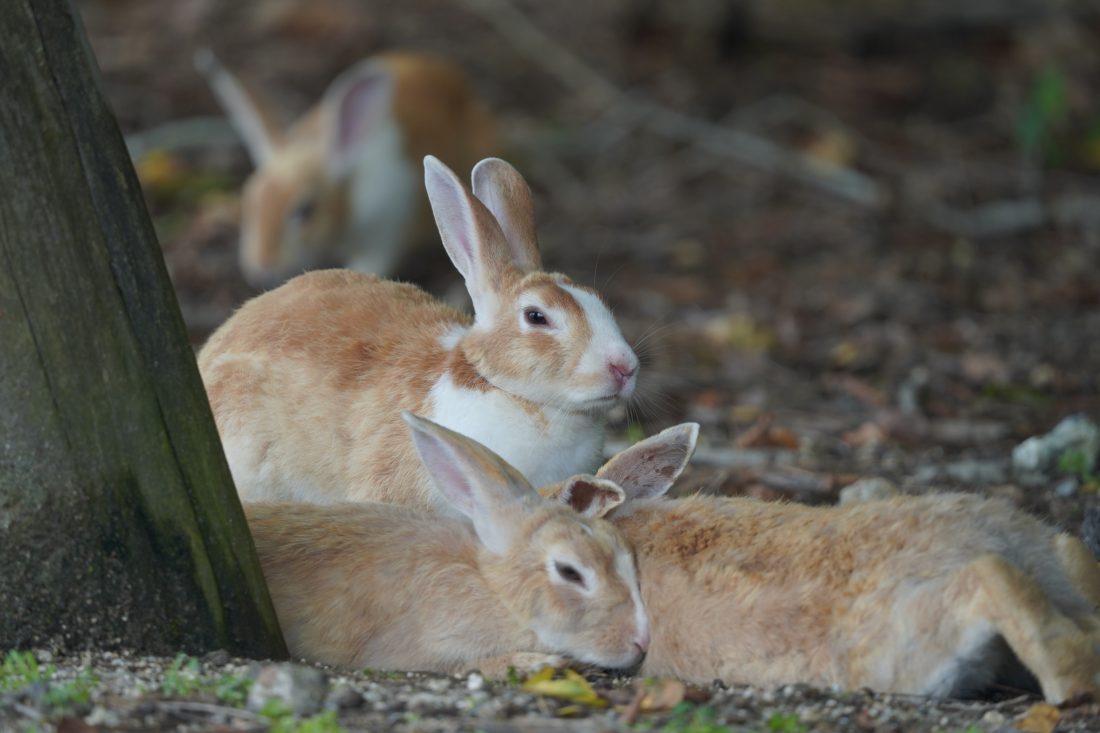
<point>912,297</point>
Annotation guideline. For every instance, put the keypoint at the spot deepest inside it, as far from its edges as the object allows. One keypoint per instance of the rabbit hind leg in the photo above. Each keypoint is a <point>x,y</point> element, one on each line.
<point>1062,656</point>
<point>1080,567</point>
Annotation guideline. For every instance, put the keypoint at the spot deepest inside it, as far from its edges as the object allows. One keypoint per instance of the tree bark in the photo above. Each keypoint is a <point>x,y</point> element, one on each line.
<point>119,523</point>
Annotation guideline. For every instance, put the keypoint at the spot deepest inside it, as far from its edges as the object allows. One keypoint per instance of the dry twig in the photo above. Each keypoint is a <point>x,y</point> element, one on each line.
<point>1010,216</point>
<point>191,132</point>
<point>530,40</point>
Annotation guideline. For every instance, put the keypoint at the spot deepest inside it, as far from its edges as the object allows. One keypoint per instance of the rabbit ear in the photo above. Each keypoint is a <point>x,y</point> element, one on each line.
<point>504,192</point>
<point>647,469</point>
<point>590,496</point>
<point>251,118</point>
<point>475,481</point>
<point>470,235</point>
<point>354,104</point>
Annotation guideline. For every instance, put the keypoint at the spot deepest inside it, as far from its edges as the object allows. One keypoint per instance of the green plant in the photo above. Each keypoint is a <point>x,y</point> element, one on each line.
<point>21,669</point>
<point>231,689</point>
<point>688,718</point>
<point>786,723</point>
<point>1045,107</point>
<point>1079,464</point>
<point>77,691</point>
<point>183,678</point>
<point>283,720</point>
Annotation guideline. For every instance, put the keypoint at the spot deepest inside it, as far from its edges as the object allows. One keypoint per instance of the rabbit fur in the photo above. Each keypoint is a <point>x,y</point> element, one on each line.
<point>341,187</point>
<point>930,595</point>
<point>517,581</point>
<point>307,381</point>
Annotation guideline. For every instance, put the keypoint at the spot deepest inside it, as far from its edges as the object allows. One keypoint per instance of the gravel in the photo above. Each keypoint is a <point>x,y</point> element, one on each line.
<point>129,696</point>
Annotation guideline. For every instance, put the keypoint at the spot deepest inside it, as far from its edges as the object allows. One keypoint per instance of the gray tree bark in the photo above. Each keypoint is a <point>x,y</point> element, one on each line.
<point>119,523</point>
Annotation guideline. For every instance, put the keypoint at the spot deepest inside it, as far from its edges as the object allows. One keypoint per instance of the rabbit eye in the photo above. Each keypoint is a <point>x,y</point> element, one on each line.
<point>535,317</point>
<point>304,210</point>
<point>569,573</point>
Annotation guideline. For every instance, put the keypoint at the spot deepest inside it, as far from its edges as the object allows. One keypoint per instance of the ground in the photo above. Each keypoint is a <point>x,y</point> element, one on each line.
<point>910,299</point>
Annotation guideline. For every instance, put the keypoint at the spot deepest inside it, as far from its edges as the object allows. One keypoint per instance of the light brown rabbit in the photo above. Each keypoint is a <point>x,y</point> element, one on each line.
<point>307,381</point>
<point>341,187</point>
<point>515,581</point>
<point>934,595</point>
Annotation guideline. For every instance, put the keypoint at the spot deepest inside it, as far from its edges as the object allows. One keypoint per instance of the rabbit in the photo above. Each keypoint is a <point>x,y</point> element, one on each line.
<point>340,187</point>
<point>307,381</point>
<point>516,582</point>
<point>935,595</point>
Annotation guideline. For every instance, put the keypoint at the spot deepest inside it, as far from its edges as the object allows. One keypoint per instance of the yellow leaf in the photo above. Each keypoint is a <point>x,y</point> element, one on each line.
<point>159,169</point>
<point>1040,718</point>
<point>544,674</point>
<point>831,148</point>
<point>573,687</point>
<point>844,354</point>
<point>738,331</point>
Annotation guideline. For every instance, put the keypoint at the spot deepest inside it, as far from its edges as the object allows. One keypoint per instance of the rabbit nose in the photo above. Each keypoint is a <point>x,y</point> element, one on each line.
<point>622,371</point>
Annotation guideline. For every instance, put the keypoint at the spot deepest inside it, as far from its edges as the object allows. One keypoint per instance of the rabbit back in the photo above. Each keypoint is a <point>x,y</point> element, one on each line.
<point>878,594</point>
<point>307,383</point>
<point>351,584</point>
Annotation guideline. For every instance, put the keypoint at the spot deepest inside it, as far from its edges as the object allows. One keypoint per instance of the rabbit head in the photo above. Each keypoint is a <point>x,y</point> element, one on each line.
<point>536,335</point>
<point>644,471</point>
<point>313,181</point>
<point>568,576</point>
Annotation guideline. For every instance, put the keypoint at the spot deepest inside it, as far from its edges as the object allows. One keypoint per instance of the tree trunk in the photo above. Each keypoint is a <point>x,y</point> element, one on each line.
<point>119,523</point>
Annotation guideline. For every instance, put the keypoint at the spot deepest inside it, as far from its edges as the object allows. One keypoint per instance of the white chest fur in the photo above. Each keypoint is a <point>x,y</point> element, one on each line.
<point>545,448</point>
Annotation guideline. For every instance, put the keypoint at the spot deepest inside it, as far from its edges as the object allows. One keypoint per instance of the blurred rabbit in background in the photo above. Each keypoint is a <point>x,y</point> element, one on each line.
<point>341,187</point>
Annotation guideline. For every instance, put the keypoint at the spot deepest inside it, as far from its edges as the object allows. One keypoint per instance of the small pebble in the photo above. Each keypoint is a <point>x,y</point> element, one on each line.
<point>867,489</point>
<point>994,717</point>
<point>344,698</point>
<point>1066,487</point>
<point>300,688</point>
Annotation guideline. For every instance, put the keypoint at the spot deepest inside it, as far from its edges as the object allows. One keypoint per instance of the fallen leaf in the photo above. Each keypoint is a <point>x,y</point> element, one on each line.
<point>981,367</point>
<point>572,687</point>
<point>744,412</point>
<point>869,433</point>
<point>1039,718</point>
<point>73,725</point>
<point>662,695</point>
<point>159,170</point>
<point>543,675</point>
<point>831,148</point>
<point>738,331</point>
<point>844,354</point>
<point>765,435</point>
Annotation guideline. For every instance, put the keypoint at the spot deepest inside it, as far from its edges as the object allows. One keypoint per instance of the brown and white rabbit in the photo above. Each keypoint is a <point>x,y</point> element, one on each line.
<point>516,580</point>
<point>931,595</point>
<point>307,381</point>
<point>341,187</point>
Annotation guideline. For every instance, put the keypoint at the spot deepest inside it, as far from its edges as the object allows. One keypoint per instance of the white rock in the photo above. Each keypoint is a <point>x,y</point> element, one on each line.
<point>300,688</point>
<point>1040,453</point>
<point>868,489</point>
